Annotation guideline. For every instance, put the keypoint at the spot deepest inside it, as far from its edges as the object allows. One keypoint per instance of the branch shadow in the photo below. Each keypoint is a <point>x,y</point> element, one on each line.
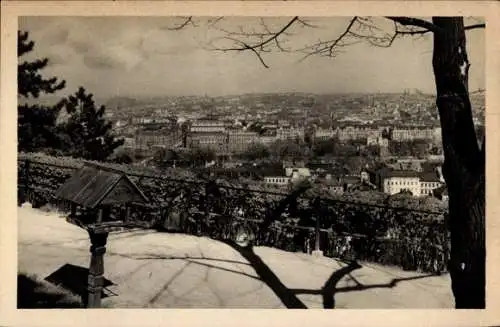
<point>329,290</point>
<point>154,257</point>
<point>194,260</point>
<point>266,275</point>
<point>165,286</point>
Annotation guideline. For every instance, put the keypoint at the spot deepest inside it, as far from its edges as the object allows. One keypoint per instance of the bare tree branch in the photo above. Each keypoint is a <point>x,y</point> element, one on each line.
<point>258,47</point>
<point>366,23</point>
<point>277,34</point>
<point>410,21</point>
<point>413,32</point>
<point>187,21</point>
<point>392,38</point>
<point>471,27</point>
<point>358,29</point>
<point>213,22</point>
<point>276,41</point>
<point>306,24</point>
<point>328,47</point>
<point>243,47</point>
<point>346,31</point>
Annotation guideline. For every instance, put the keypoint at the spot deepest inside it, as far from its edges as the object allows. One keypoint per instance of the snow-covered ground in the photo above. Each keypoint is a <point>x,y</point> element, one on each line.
<point>161,270</point>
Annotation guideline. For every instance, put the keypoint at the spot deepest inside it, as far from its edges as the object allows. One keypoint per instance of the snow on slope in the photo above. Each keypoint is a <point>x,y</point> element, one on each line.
<point>152,269</point>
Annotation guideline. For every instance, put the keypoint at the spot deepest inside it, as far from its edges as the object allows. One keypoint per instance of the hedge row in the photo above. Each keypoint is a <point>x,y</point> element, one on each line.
<point>402,236</point>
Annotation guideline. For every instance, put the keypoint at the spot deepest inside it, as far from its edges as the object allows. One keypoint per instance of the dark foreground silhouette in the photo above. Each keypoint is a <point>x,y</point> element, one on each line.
<point>33,294</point>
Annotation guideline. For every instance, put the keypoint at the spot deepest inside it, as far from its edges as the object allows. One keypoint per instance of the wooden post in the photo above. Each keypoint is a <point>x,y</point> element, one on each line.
<point>96,269</point>
<point>103,214</point>
<point>26,195</point>
<point>316,245</point>
<point>317,251</point>
<point>100,213</point>
<point>127,213</point>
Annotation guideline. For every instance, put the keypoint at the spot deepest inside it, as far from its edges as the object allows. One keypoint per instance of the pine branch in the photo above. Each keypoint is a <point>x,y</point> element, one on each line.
<point>23,46</point>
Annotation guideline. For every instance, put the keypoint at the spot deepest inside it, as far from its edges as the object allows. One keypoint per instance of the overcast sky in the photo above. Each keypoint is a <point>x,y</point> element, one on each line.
<point>131,56</point>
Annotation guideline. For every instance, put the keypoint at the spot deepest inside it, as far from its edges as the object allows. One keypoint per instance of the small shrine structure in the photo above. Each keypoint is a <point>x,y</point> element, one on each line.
<point>93,191</point>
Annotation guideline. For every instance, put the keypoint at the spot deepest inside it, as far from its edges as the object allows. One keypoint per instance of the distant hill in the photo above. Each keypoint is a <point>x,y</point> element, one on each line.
<point>321,102</point>
<point>120,102</point>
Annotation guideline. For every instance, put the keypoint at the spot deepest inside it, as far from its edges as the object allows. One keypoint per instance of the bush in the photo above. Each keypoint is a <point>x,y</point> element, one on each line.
<point>390,229</point>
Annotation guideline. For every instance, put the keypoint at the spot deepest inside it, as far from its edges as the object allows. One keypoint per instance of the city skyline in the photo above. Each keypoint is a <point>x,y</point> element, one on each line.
<point>132,56</point>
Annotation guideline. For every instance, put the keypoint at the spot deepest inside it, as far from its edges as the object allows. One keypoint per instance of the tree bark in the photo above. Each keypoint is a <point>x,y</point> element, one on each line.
<point>464,167</point>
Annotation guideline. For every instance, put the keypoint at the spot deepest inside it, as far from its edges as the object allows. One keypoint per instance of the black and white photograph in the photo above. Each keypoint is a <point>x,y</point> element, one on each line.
<point>251,162</point>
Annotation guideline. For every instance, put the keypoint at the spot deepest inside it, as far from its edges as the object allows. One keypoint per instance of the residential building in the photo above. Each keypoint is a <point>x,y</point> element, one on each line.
<point>290,133</point>
<point>384,148</point>
<point>141,120</point>
<point>240,141</point>
<point>441,193</point>
<point>275,176</point>
<point>297,174</point>
<point>277,180</point>
<point>437,135</point>
<point>397,181</point>
<point>216,141</point>
<point>418,183</point>
<point>429,182</point>
<point>334,186</point>
<point>284,123</point>
<point>270,126</point>
<point>357,132</point>
<point>324,134</point>
<point>410,133</point>
<point>380,142</point>
<point>159,138</point>
<point>266,139</point>
<point>349,181</point>
<point>439,158</point>
<point>377,140</point>
<point>408,164</point>
<point>207,126</point>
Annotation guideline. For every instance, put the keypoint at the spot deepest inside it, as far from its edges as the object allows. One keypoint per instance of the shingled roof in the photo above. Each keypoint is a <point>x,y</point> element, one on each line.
<point>95,185</point>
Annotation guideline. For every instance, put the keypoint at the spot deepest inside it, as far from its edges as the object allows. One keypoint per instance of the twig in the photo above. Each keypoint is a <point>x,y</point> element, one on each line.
<point>410,21</point>
<point>187,21</point>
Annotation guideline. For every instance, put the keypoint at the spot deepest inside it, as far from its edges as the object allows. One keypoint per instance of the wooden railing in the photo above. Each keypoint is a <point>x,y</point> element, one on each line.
<point>413,239</point>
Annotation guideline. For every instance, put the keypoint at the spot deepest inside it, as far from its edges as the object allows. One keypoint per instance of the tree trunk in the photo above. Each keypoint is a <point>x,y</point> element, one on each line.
<point>464,167</point>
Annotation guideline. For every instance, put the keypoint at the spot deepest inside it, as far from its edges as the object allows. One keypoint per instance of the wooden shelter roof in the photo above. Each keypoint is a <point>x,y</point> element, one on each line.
<point>94,185</point>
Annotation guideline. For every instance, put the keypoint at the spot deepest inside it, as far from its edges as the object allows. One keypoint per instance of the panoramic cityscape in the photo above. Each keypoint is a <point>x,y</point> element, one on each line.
<point>240,163</point>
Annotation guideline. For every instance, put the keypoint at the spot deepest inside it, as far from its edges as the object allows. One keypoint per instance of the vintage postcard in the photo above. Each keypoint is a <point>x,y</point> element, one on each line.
<point>249,155</point>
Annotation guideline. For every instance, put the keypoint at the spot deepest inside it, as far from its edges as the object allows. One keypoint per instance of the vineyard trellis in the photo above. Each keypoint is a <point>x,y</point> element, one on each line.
<point>405,237</point>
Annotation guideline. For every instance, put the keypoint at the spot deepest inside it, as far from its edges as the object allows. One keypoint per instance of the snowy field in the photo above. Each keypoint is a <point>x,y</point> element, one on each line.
<point>161,270</point>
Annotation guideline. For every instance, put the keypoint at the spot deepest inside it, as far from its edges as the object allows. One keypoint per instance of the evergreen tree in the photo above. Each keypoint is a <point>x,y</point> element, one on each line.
<point>87,133</point>
<point>36,123</point>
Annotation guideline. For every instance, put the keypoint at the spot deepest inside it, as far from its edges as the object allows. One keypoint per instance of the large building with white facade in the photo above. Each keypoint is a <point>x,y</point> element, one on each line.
<point>396,181</point>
